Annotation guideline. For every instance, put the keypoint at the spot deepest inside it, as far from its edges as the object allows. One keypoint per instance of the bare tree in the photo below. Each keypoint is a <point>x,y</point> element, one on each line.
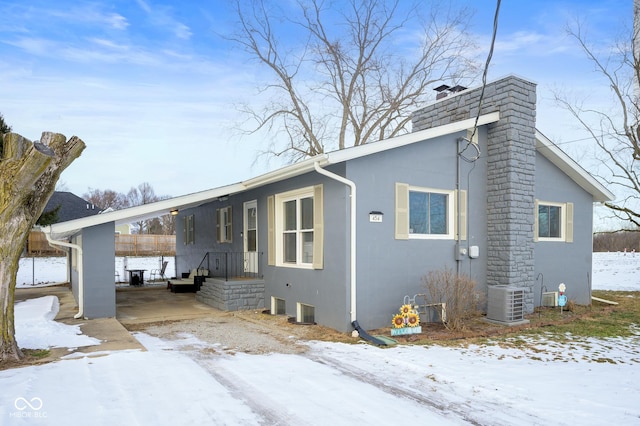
<point>28,172</point>
<point>616,133</point>
<point>107,198</point>
<point>145,194</point>
<point>353,71</point>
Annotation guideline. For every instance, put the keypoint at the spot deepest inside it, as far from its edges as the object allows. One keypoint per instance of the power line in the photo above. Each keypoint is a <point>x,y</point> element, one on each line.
<point>486,66</point>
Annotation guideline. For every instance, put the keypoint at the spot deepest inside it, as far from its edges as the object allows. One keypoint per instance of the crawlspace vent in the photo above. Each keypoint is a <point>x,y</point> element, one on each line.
<point>550,298</point>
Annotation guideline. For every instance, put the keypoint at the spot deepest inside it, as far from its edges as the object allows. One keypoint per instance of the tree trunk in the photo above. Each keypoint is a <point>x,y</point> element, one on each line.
<point>29,172</point>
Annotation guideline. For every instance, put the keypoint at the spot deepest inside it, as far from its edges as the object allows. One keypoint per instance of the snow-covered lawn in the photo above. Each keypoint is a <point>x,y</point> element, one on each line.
<point>616,271</point>
<point>186,381</point>
<point>43,271</point>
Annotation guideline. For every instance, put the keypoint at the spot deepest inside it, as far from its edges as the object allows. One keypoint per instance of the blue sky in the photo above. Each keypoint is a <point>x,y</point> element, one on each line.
<point>150,86</point>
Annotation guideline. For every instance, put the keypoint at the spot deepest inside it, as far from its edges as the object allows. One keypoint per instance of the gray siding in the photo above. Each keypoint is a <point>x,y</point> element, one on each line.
<point>560,262</point>
<point>510,176</point>
<point>389,269</point>
<point>326,289</point>
<point>189,256</point>
<point>98,265</point>
<point>501,186</point>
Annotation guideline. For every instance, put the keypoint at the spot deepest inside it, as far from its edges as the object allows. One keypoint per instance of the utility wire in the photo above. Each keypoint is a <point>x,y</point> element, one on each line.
<point>486,68</point>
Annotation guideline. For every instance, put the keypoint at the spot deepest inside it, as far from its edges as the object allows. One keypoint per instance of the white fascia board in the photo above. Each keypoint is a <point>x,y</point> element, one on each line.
<point>339,156</point>
<point>286,172</point>
<point>572,169</point>
<point>409,138</point>
<point>143,212</point>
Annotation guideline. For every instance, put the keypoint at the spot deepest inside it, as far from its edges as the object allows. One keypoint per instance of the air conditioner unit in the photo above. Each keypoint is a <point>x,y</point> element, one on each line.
<point>506,304</point>
<point>550,298</point>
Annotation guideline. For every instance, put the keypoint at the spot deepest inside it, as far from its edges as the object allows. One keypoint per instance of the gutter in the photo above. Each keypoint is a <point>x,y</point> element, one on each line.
<point>351,185</point>
<point>47,234</point>
<point>354,321</point>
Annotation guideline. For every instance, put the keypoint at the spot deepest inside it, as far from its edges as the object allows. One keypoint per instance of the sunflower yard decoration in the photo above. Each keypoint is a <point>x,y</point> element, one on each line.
<point>406,322</point>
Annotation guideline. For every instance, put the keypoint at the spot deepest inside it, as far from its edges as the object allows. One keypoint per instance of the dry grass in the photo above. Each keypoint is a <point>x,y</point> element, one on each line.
<point>597,320</point>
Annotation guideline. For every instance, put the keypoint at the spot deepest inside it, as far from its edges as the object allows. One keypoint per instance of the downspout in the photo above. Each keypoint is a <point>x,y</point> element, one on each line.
<point>351,185</point>
<point>80,274</point>
<point>458,218</point>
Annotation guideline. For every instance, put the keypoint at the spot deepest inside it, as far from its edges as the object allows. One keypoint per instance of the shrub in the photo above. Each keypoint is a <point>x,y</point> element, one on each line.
<point>458,292</point>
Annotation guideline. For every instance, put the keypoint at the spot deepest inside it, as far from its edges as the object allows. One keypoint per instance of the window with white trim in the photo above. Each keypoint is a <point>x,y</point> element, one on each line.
<point>305,314</point>
<point>553,221</point>
<point>224,225</point>
<point>296,228</point>
<point>427,213</point>
<point>278,306</point>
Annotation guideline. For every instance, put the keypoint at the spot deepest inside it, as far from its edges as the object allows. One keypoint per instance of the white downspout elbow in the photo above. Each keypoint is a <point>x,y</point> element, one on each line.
<point>351,185</point>
<point>47,234</point>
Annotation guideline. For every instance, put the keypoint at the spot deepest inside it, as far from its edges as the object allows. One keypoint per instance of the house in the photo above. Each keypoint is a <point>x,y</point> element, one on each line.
<point>344,236</point>
<point>70,206</point>
<point>61,207</point>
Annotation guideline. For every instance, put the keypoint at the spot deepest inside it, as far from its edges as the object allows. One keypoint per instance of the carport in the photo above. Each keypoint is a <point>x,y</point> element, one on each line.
<point>156,304</point>
<point>91,245</point>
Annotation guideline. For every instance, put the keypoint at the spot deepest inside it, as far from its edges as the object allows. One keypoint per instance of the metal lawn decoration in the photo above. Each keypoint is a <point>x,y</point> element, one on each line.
<point>562,299</point>
<point>407,321</point>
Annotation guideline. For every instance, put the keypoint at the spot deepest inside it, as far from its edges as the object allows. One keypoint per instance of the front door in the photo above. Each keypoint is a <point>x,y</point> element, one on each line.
<point>250,236</point>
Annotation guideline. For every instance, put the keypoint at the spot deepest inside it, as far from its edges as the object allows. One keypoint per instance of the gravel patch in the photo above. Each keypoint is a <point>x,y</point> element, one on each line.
<point>245,331</point>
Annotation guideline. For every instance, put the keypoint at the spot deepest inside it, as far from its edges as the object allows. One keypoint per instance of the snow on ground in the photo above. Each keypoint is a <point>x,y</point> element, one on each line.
<point>35,328</point>
<point>44,271</point>
<point>616,271</point>
<point>611,271</point>
<point>186,381</point>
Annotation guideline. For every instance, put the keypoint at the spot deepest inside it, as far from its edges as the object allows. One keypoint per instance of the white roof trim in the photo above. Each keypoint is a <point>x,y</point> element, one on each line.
<point>159,208</point>
<point>572,169</point>
<point>145,211</point>
<point>286,172</point>
<point>335,157</point>
<point>409,138</point>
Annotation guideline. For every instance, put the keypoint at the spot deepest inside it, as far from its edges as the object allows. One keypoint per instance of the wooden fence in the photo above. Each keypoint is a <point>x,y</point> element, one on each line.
<point>126,245</point>
<point>145,245</point>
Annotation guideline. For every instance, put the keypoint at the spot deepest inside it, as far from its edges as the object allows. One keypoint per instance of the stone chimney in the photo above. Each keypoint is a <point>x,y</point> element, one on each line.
<point>510,180</point>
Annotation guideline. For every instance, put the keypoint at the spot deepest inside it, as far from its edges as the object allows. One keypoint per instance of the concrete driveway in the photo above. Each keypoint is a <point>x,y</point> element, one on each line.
<point>135,308</point>
<point>145,305</point>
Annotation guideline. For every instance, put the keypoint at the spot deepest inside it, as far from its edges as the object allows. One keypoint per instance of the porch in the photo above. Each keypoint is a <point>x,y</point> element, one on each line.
<point>232,265</point>
<point>233,294</point>
<point>234,282</point>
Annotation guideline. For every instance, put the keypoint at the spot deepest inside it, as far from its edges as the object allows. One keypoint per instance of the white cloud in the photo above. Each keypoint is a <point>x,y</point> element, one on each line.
<point>117,21</point>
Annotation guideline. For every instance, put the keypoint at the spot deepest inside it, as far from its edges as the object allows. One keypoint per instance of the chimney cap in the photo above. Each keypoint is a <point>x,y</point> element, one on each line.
<point>457,88</point>
<point>441,88</point>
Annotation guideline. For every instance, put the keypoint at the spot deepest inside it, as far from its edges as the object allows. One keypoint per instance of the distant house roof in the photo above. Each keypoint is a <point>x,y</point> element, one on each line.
<point>71,206</point>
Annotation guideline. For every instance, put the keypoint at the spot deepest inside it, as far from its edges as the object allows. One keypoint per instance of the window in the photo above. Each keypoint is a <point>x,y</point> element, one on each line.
<point>295,233</point>
<point>224,225</point>
<point>426,213</point>
<point>278,306</point>
<point>189,229</point>
<point>297,230</point>
<point>306,314</point>
<point>553,221</point>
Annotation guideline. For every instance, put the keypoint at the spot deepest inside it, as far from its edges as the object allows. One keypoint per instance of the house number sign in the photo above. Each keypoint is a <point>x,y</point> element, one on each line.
<point>375,217</point>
